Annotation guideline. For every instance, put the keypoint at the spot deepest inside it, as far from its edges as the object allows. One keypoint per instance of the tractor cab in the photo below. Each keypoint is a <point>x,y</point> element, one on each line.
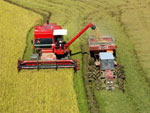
<point>106,61</point>
<point>107,66</point>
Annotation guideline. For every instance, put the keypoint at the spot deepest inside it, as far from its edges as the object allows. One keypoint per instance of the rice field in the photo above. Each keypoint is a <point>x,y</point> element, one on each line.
<point>128,21</point>
<point>138,30</point>
<point>29,91</point>
<point>46,92</point>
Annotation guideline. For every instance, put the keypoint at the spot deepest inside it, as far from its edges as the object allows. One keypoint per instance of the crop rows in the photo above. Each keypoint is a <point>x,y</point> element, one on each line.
<point>47,91</point>
<point>112,21</point>
<point>128,22</point>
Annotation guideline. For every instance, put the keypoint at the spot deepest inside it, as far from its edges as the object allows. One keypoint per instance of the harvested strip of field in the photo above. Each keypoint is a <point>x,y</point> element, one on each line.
<point>113,102</point>
<point>136,87</point>
<point>107,16</point>
<point>137,22</point>
<point>47,91</point>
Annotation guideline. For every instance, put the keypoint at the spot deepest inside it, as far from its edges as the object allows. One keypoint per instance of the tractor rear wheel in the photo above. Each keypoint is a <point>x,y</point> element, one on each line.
<point>120,77</point>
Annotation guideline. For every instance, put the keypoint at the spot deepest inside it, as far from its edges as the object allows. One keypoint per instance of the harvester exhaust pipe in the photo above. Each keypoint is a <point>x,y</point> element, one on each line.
<point>47,21</point>
<point>50,64</point>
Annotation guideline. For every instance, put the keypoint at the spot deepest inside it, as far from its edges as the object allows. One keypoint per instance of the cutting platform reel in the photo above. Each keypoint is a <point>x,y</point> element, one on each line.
<point>51,64</point>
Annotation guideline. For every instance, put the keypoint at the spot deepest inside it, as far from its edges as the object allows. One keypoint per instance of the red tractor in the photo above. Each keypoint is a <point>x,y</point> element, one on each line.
<point>50,51</point>
<point>103,51</point>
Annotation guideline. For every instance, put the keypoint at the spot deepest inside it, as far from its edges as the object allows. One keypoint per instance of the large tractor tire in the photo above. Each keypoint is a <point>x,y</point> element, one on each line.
<point>120,77</point>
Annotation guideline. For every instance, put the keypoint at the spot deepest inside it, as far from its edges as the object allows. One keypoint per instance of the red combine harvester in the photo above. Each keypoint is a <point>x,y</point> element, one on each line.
<point>103,51</point>
<point>50,51</point>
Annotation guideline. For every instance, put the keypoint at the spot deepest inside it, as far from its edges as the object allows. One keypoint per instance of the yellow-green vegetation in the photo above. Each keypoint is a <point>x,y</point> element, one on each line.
<point>74,24</point>
<point>44,91</point>
<point>126,20</point>
<point>136,87</point>
<point>137,22</point>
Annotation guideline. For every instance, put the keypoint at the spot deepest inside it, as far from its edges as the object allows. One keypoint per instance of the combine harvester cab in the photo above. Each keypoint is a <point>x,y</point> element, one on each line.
<point>50,51</point>
<point>103,52</point>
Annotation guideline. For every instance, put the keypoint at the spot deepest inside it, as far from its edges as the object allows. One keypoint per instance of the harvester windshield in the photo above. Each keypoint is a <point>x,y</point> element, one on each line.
<point>43,43</point>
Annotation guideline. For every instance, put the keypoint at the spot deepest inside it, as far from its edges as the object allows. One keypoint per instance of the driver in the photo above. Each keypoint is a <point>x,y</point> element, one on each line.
<point>61,44</point>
